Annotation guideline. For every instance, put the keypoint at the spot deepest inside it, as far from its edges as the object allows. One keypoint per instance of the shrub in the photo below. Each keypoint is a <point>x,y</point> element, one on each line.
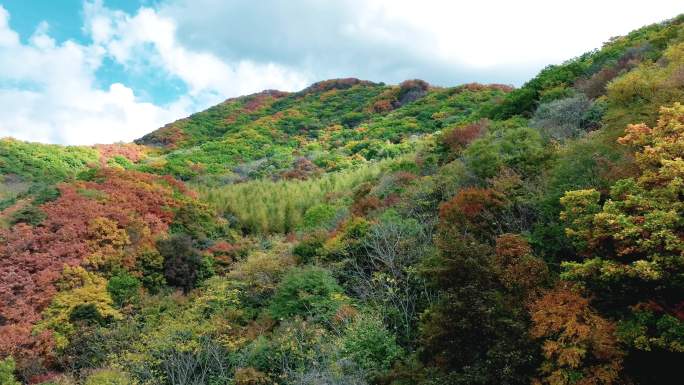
<point>320,215</point>
<point>519,148</point>
<point>108,377</point>
<point>460,136</point>
<point>261,271</point>
<point>30,215</point>
<point>412,90</point>
<point>7,367</point>
<point>124,288</point>
<point>182,262</point>
<point>368,342</point>
<point>564,118</point>
<point>151,264</point>
<point>310,291</point>
<point>250,376</point>
<point>308,249</point>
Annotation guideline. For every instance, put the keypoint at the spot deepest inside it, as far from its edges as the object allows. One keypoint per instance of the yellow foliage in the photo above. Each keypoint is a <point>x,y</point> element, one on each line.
<point>261,270</point>
<point>79,288</point>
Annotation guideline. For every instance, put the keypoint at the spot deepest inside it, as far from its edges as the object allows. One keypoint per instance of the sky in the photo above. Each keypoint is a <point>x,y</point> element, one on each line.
<point>103,71</point>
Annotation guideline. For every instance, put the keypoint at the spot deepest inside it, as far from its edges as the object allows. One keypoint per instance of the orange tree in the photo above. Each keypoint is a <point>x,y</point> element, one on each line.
<point>632,244</point>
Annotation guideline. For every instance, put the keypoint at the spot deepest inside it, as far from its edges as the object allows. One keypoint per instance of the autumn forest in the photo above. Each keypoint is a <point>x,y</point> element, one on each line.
<point>364,233</point>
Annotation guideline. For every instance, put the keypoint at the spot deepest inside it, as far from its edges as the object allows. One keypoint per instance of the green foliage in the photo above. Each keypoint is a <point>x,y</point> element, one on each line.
<point>308,249</point>
<point>632,241</point>
<point>264,206</point>
<point>83,299</point>
<point>318,216</point>
<point>370,344</point>
<point>108,377</point>
<point>124,288</point>
<point>7,367</point>
<point>647,330</point>
<point>309,292</point>
<point>31,215</point>
<point>636,96</point>
<point>47,163</point>
<point>198,221</point>
<point>444,214</point>
<point>520,149</point>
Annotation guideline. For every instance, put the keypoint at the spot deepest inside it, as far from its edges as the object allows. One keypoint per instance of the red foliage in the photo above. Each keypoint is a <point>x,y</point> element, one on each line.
<point>382,105</point>
<point>460,136</point>
<point>483,87</point>
<point>473,210</point>
<point>303,169</point>
<point>130,151</point>
<point>365,205</point>
<point>32,258</point>
<point>335,84</point>
<point>470,203</point>
<point>258,100</point>
<point>168,136</point>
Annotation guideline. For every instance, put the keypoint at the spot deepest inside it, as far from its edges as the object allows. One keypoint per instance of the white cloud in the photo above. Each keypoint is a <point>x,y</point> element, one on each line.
<point>147,36</point>
<point>444,42</point>
<point>47,94</point>
<point>49,90</point>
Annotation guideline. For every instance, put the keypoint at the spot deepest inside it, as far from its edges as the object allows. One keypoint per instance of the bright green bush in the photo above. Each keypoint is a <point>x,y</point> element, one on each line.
<point>124,288</point>
<point>368,342</point>
<point>108,377</point>
<point>7,367</point>
<point>520,149</point>
<point>307,292</point>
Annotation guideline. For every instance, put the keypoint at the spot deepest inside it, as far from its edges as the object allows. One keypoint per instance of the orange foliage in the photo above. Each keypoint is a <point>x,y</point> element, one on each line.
<point>579,346</point>
<point>130,151</point>
<point>518,269</point>
<point>470,204</point>
<point>460,136</point>
<point>92,221</point>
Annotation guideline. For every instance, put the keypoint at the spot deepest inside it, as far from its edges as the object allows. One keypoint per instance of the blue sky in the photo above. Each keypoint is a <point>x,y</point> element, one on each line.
<point>94,71</point>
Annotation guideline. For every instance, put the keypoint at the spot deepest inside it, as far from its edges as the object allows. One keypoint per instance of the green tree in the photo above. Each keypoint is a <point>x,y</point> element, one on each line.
<point>310,291</point>
<point>7,372</point>
<point>124,288</point>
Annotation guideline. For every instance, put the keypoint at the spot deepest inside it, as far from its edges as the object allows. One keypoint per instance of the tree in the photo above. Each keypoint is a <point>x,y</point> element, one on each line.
<point>124,288</point>
<point>7,372</point>
<point>311,292</point>
<point>370,344</point>
<point>471,334</point>
<point>182,262</point>
<point>579,346</point>
<point>632,245</point>
<point>519,271</point>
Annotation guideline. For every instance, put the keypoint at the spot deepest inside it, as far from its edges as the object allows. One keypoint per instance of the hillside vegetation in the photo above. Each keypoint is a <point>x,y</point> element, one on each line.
<point>363,233</point>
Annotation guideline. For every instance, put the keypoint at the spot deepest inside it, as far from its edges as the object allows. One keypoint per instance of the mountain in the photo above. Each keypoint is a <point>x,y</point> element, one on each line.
<point>363,233</point>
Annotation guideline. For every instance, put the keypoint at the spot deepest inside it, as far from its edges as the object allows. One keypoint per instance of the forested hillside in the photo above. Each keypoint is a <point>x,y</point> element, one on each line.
<point>363,233</point>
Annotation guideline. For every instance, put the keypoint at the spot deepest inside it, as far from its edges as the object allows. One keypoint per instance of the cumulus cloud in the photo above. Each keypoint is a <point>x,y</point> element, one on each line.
<point>49,91</point>
<point>148,38</point>
<point>443,42</point>
<point>52,91</point>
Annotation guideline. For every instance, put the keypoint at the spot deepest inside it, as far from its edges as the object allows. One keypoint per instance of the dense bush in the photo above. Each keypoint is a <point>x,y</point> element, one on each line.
<point>309,292</point>
<point>566,118</point>
<point>370,344</point>
<point>520,149</point>
<point>182,261</point>
<point>124,288</point>
<point>368,234</point>
<point>7,372</point>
